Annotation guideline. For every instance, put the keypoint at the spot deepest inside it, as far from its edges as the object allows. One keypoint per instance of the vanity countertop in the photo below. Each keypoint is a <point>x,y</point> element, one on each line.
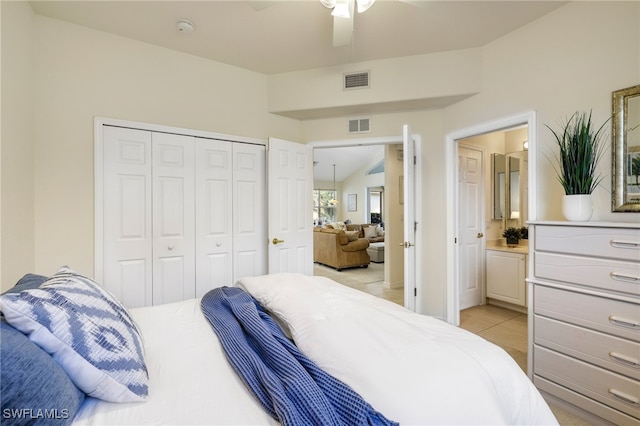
<point>501,245</point>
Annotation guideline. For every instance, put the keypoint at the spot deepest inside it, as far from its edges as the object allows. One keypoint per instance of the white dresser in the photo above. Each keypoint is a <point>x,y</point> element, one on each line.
<point>584,311</point>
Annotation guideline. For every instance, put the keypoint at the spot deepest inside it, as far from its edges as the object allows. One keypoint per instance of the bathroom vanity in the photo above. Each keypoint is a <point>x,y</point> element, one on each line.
<point>506,272</point>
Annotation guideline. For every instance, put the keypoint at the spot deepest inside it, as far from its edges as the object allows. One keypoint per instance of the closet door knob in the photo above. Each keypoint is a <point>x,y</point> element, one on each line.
<point>480,235</point>
<point>277,241</point>
<point>170,248</point>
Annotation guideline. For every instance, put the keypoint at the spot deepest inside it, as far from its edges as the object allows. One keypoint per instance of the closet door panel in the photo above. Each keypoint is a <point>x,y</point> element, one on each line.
<point>127,258</point>
<point>173,218</point>
<point>250,218</point>
<point>214,214</point>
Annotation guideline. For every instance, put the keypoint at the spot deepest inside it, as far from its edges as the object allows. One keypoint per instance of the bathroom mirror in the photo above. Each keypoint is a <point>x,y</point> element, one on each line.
<point>499,171</point>
<point>513,183</point>
<point>625,149</point>
<point>509,172</point>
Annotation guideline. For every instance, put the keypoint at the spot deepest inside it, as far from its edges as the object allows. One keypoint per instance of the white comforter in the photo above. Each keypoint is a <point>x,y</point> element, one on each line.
<point>412,368</point>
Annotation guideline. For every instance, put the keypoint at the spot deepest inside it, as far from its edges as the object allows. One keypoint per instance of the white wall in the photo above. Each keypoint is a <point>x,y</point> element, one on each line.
<point>552,66</point>
<point>439,75</point>
<point>82,73</point>
<point>357,184</point>
<point>555,66</point>
<point>17,144</point>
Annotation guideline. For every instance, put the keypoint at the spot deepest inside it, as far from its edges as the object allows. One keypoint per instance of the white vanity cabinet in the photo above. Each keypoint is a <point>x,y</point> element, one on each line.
<point>584,332</point>
<point>506,272</point>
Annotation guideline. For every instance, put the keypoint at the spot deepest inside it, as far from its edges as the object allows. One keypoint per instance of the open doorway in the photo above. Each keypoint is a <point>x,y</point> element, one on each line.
<point>490,228</point>
<point>360,199</point>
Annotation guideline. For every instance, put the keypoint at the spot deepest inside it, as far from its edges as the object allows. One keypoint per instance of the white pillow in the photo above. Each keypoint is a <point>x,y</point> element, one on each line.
<point>87,331</point>
<point>370,232</point>
<point>339,225</point>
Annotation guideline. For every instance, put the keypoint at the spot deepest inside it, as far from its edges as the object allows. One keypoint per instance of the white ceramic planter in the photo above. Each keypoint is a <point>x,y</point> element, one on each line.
<point>578,207</point>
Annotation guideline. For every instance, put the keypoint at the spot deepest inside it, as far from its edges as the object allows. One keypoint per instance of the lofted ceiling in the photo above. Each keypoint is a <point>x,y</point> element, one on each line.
<point>347,160</point>
<point>273,37</point>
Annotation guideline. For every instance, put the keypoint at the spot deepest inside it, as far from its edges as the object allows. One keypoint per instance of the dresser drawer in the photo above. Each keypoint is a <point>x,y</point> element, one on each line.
<point>613,353</point>
<point>611,242</point>
<point>616,275</point>
<point>614,390</point>
<point>610,316</point>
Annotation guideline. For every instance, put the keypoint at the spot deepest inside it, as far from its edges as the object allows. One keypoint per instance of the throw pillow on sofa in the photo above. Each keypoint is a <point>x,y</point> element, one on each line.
<point>370,232</point>
<point>352,235</point>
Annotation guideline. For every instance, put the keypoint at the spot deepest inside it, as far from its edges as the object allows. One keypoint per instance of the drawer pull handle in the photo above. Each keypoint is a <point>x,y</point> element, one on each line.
<point>624,277</point>
<point>623,396</point>
<point>624,359</point>
<point>623,322</point>
<point>624,244</point>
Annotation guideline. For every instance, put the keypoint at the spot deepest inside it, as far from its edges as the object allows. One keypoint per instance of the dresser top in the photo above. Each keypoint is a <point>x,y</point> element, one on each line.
<point>634,225</point>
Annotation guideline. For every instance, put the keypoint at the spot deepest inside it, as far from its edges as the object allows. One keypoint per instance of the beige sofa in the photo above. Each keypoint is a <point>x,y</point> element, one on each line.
<point>362,228</point>
<point>332,247</point>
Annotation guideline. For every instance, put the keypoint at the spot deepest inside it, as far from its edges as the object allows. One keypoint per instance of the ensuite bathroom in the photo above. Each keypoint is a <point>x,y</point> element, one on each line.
<point>504,156</point>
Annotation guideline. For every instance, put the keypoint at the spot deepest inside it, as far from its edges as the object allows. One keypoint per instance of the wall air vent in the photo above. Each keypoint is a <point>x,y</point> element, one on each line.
<point>359,125</point>
<point>357,80</point>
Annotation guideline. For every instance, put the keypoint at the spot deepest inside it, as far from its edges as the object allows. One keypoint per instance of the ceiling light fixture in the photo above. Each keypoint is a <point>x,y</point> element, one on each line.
<point>344,8</point>
<point>333,201</point>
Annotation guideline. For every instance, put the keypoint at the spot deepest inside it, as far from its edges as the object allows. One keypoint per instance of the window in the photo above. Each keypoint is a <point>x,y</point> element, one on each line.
<point>323,211</point>
<point>376,200</point>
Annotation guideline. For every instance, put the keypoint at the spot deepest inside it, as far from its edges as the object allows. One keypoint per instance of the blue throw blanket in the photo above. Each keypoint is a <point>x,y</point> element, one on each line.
<point>289,386</point>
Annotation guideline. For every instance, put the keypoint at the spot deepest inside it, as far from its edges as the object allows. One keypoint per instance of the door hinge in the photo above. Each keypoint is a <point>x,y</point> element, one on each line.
<point>414,160</point>
<point>455,240</point>
<point>415,292</point>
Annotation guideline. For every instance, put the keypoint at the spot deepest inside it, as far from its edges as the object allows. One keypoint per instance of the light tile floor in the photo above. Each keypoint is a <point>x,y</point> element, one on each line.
<point>508,329</point>
<point>370,280</point>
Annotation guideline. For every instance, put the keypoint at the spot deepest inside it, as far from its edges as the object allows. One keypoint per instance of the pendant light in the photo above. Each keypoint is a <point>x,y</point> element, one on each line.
<point>333,201</point>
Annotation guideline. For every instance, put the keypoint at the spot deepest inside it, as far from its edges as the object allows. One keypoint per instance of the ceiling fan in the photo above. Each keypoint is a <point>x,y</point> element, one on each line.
<point>343,18</point>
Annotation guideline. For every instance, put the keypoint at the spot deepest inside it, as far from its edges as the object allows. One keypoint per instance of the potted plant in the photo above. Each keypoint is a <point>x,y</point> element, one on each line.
<point>512,235</point>
<point>580,150</point>
<point>524,233</point>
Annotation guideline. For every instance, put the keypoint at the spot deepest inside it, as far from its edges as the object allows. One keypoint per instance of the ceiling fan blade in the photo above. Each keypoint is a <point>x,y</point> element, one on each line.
<point>342,31</point>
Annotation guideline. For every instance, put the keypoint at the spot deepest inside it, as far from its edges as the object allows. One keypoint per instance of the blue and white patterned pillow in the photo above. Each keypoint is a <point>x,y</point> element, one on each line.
<point>87,331</point>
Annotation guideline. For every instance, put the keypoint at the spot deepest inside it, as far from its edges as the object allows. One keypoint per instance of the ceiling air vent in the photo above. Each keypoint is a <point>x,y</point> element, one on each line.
<point>359,125</point>
<point>358,80</point>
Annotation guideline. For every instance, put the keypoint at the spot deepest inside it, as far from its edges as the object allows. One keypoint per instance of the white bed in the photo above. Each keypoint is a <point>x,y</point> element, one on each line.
<point>412,368</point>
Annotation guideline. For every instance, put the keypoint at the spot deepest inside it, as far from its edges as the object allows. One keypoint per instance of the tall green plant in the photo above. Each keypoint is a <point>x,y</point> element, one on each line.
<point>581,150</point>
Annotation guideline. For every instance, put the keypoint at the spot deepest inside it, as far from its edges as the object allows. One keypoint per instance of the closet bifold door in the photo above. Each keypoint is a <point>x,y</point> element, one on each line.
<point>214,218</point>
<point>127,228</point>
<point>250,218</point>
<point>173,217</point>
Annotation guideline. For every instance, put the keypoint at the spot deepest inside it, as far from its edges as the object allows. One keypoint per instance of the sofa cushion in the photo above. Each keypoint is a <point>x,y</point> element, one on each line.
<point>370,232</point>
<point>352,235</point>
<point>358,245</point>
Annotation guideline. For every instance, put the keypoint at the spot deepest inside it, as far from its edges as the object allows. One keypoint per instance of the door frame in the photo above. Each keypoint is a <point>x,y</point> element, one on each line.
<point>396,140</point>
<point>451,172</point>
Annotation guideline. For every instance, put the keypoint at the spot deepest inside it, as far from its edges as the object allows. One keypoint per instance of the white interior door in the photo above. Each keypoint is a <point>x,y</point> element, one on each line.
<point>214,214</point>
<point>408,145</point>
<point>250,221</point>
<point>290,207</point>
<point>470,226</point>
<point>127,229</point>
<point>173,218</point>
